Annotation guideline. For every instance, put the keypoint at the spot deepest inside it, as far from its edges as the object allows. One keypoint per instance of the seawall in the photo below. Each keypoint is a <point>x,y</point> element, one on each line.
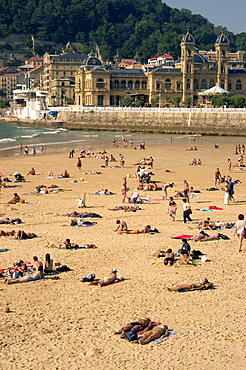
<point>194,121</point>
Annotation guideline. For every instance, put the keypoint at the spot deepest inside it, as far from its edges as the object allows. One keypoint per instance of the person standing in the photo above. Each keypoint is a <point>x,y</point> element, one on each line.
<point>79,164</point>
<point>231,190</point>
<point>71,153</point>
<point>26,151</point>
<point>229,165</point>
<point>186,190</point>
<point>217,177</point>
<point>186,211</point>
<point>106,159</point>
<point>226,195</point>
<point>240,230</point>
<point>172,209</point>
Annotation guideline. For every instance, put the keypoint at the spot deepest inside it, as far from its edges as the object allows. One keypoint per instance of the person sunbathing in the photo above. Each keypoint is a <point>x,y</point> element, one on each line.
<point>31,172</point>
<point>15,199</point>
<point>65,245</point>
<point>145,230</point>
<point>103,192</point>
<point>7,233</point>
<point>169,258</point>
<point>65,174</point>
<point>158,332</point>
<point>203,225</point>
<point>23,235</point>
<point>184,257</point>
<point>138,325</point>
<point>36,276</point>
<point>125,208</point>
<point>212,237</point>
<point>106,280</point>
<point>200,236</point>
<point>195,286</point>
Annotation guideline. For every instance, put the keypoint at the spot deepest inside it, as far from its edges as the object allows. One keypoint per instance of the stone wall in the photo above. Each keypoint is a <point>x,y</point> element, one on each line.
<point>222,123</point>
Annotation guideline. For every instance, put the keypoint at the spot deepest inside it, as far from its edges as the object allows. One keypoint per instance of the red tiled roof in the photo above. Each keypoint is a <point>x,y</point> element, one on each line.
<point>10,75</point>
<point>127,60</point>
<point>166,56</point>
<point>37,59</point>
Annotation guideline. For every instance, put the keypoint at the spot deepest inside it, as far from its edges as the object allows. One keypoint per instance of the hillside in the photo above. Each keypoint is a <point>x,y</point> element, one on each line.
<point>146,26</point>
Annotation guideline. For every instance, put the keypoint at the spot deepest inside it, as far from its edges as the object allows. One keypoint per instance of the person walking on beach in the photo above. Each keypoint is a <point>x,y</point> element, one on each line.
<point>229,165</point>
<point>26,151</point>
<point>240,230</point>
<point>71,153</point>
<point>186,211</point>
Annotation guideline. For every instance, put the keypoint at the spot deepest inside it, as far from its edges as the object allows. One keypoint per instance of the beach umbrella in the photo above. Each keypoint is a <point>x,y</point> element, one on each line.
<point>214,91</point>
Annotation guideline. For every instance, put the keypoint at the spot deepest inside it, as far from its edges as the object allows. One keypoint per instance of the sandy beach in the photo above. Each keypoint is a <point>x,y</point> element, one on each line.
<point>67,324</point>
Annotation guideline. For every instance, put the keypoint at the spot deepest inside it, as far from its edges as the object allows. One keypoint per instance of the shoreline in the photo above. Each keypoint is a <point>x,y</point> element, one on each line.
<point>178,128</point>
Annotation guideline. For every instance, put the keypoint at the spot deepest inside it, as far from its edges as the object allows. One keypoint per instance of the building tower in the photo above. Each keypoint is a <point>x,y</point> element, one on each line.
<point>221,51</point>
<point>187,64</point>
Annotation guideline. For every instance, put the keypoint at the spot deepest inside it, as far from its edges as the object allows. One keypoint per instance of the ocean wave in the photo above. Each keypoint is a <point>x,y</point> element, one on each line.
<point>29,136</point>
<point>50,132</point>
<point>7,140</point>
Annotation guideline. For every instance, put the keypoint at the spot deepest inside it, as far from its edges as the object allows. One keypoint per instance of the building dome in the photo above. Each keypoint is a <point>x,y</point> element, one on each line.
<point>222,39</point>
<point>188,37</point>
<point>92,60</point>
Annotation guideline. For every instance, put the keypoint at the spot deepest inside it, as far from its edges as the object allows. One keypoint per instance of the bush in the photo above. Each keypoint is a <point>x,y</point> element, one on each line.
<point>4,103</point>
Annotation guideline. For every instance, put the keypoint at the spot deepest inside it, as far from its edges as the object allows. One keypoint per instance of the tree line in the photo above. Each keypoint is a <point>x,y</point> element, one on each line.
<point>126,26</point>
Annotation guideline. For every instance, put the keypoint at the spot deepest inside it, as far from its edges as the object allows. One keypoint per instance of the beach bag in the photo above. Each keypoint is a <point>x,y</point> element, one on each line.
<point>189,211</point>
<point>130,335</point>
<point>224,237</point>
<point>89,278</point>
<point>63,268</point>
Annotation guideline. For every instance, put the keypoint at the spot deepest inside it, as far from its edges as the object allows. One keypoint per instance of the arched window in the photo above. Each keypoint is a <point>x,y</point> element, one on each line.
<point>137,85</point>
<point>239,85</point>
<point>188,85</point>
<point>168,84</point>
<point>100,80</point>
<point>130,84</point>
<point>196,84</point>
<point>123,84</point>
<point>204,84</point>
<point>211,83</point>
<point>144,85</point>
<point>116,84</point>
<point>100,83</point>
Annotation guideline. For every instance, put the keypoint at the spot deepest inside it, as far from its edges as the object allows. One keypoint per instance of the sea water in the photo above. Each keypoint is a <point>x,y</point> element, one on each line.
<point>62,140</point>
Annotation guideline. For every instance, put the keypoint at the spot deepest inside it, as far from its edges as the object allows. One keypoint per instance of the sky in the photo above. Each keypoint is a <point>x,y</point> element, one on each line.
<point>228,13</point>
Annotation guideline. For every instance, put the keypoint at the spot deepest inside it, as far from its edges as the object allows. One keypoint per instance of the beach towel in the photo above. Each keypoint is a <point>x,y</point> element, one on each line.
<point>209,209</point>
<point>4,250</point>
<point>182,237</point>
<point>12,186</point>
<point>215,207</point>
<point>209,286</point>
<point>170,334</point>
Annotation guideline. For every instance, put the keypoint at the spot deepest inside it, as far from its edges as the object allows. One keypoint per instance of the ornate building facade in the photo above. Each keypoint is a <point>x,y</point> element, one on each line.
<point>193,72</point>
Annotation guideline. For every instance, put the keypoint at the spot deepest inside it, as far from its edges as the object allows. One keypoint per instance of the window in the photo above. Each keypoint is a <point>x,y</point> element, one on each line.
<point>204,84</point>
<point>123,84</point>
<point>178,86</point>
<point>196,84</point>
<point>130,84</point>
<point>222,84</point>
<point>238,85</point>
<point>211,83</point>
<point>168,84</point>
<point>63,83</point>
<point>158,85</point>
<point>144,85</point>
<point>188,85</point>
<point>100,100</point>
<point>137,85</point>
<point>229,86</point>
<point>100,83</point>
<point>116,84</point>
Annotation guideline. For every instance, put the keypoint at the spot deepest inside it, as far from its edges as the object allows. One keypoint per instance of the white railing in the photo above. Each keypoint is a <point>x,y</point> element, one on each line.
<point>74,108</point>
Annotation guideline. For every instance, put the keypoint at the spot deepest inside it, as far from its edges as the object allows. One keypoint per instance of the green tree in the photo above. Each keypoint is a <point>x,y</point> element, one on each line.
<point>187,101</point>
<point>176,100</point>
<point>238,101</point>
<point>139,103</point>
<point>4,103</point>
<point>127,100</point>
<point>154,102</point>
<point>69,101</point>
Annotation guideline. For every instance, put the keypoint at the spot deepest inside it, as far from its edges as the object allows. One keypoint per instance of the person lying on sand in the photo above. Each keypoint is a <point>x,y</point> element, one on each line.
<point>158,332</point>
<point>203,225</point>
<point>106,280</point>
<point>138,325</point>
<point>195,286</point>
<point>103,192</point>
<point>23,235</point>
<point>203,237</point>
<point>37,275</point>
<point>7,233</point>
<point>65,245</point>
<point>169,258</point>
<point>15,199</point>
<point>125,208</point>
<point>145,230</point>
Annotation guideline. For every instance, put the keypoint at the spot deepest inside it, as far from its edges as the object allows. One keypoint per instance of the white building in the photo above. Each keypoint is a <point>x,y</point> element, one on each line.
<point>29,103</point>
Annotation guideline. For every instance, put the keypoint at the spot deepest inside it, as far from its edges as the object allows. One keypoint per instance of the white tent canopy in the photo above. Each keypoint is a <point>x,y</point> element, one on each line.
<point>214,90</point>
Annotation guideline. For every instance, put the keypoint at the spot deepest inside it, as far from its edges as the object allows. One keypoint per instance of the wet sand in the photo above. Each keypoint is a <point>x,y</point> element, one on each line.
<point>69,324</point>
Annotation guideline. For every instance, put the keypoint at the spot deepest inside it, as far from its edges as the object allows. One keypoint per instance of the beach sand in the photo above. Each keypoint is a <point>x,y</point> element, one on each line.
<point>67,324</point>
